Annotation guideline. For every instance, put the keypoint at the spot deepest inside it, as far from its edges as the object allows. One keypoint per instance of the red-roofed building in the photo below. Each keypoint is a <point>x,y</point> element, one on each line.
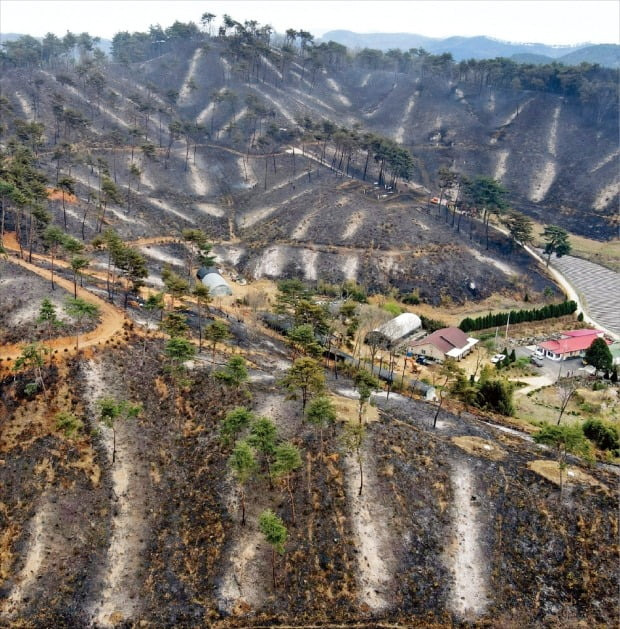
<point>444,343</point>
<point>571,344</point>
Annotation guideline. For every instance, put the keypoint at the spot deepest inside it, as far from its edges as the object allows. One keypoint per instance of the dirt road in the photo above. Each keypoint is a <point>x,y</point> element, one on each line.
<point>112,318</point>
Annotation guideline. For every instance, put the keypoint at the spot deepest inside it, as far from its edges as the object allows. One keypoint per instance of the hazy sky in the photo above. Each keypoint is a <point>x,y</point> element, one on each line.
<point>545,21</point>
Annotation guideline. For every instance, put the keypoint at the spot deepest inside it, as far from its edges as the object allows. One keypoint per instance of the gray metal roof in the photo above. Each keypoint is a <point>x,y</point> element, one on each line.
<point>401,326</point>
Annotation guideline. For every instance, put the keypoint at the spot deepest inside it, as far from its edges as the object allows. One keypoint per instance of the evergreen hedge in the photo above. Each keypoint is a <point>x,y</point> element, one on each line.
<point>518,316</point>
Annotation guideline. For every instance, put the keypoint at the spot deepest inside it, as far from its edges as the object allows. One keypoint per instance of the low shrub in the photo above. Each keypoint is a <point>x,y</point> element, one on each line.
<point>432,324</point>
<point>604,436</point>
<point>413,299</point>
<point>393,308</point>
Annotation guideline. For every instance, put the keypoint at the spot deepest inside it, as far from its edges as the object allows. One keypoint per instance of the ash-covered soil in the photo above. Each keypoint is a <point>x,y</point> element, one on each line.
<point>524,555</point>
<point>539,146</point>
<point>21,294</point>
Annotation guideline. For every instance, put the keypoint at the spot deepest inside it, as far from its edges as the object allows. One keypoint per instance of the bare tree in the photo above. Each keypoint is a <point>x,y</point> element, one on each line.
<point>566,389</point>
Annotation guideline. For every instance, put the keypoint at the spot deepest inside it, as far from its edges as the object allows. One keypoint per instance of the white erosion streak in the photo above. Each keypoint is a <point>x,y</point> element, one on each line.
<point>314,99</point>
<point>544,177</point>
<point>490,106</point>
<point>277,105</point>
<point>271,67</point>
<point>145,179</point>
<point>368,528</point>
<point>40,527</point>
<point>605,161</point>
<point>167,208</point>
<point>355,222</point>
<point>120,593</point>
<point>102,108</point>
<point>246,172</point>
<point>242,581</point>
<point>25,105</point>
<point>339,95</point>
<point>504,268</point>
<point>185,91</point>
<point>469,595</point>
<point>232,121</point>
<point>308,262</point>
<point>230,254</point>
<point>349,267</point>
<point>252,217</point>
<point>516,112</point>
<point>123,217</point>
<point>198,177</point>
<point>302,228</point>
<point>210,209</point>
<point>541,182</point>
<point>606,195</point>
<point>400,134</point>
<point>552,139</point>
<point>162,256</point>
<point>202,116</point>
<point>270,263</point>
<point>288,182</point>
<point>500,166</point>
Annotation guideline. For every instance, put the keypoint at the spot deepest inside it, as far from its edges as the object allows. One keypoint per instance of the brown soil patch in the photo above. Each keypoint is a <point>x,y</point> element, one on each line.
<point>154,240</point>
<point>480,447</point>
<point>570,476</point>
<point>45,468</point>
<point>54,194</point>
<point>87,464</point>
<point>6,556</point>
<point>348,409</point>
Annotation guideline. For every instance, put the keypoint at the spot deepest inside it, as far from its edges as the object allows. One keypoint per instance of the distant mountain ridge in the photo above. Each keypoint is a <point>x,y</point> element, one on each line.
<point>481,47</point>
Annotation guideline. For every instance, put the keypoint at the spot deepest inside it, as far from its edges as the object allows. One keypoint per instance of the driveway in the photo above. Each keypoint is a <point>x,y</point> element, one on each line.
<point>551,369</point>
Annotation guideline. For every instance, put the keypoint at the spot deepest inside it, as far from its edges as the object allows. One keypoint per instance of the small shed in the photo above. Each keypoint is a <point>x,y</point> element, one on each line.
<point>395,331</point>
<point>211,278</point>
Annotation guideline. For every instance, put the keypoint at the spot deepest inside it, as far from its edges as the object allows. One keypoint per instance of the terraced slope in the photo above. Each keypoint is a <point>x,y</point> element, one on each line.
<point>599,287</point>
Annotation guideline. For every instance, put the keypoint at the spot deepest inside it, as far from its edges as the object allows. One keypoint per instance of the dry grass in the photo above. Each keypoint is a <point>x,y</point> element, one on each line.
<point>348,409</point>
<point>603,253</point>
<point>53,194</point>
<point>6,556</point>
<point>87,464</point>
<point>543,405</point>
<point>480,447</point>
<point>452,314</point>
<point>571,475</point>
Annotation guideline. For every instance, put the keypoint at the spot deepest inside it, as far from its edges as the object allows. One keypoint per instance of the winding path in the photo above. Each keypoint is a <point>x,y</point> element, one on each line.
<point>112,318</point>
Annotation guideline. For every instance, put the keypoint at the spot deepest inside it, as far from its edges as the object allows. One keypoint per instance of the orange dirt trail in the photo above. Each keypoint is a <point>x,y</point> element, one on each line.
<point>112,318</point>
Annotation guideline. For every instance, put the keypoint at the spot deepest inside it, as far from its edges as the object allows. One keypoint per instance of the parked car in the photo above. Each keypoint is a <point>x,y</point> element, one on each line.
<point>539,353</point>
<point>422,360</point>
<point>497,358</point>
<point>537,360</point>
